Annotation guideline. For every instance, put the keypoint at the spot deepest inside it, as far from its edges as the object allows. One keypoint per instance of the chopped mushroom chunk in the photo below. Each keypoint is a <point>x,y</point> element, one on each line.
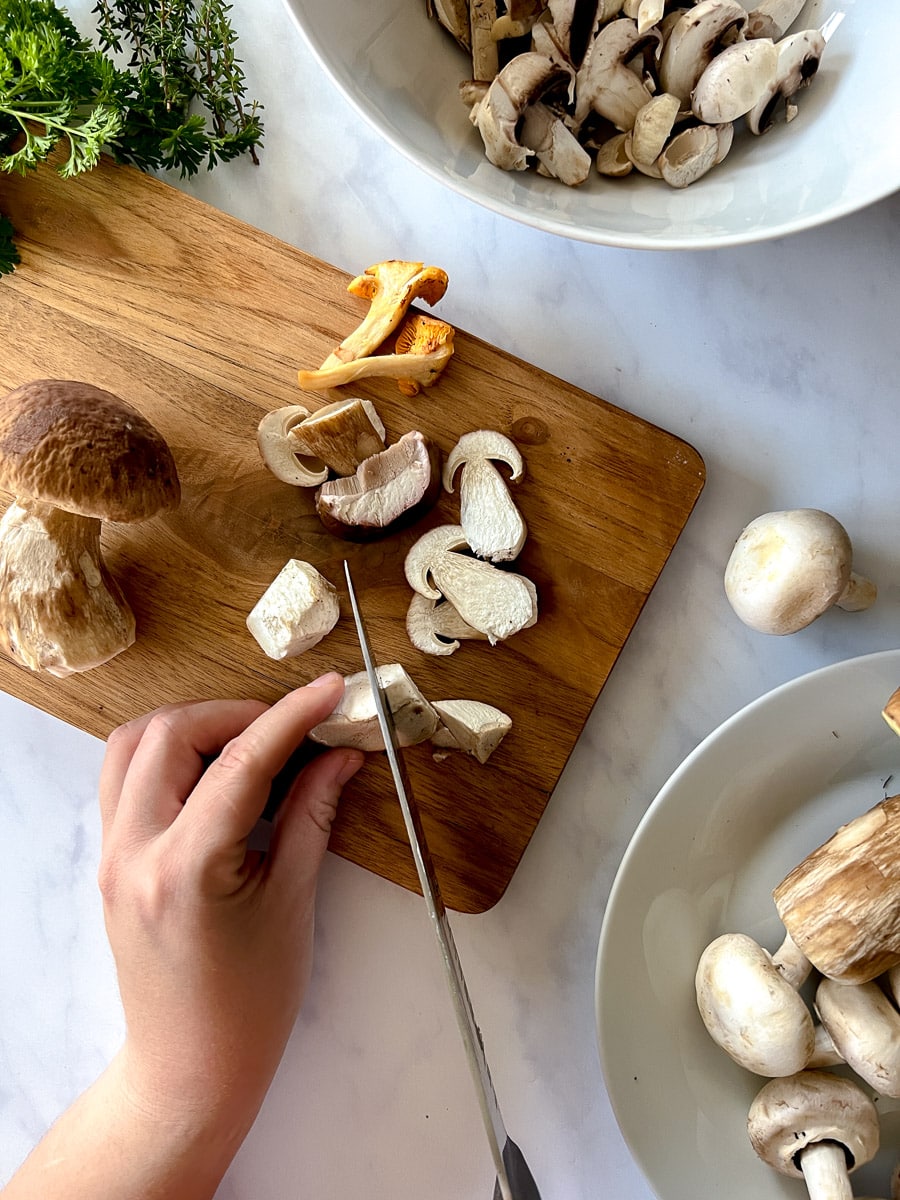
<point>297,610</point>
<point>470,725</point>
<point>354,722</point>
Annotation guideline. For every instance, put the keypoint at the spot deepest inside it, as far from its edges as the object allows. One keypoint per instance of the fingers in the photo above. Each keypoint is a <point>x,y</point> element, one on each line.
<point>304,821</point>
<point>228,801</point>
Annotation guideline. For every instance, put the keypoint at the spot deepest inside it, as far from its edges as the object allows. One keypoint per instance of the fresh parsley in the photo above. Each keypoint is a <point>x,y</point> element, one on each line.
<point>162,89</point>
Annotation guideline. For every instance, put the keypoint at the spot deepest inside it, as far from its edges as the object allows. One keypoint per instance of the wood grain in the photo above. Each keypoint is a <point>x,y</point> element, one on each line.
<point>201,322</point>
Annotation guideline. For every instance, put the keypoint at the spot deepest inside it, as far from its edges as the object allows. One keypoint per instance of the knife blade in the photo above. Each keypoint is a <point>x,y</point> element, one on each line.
<point>514,1179</point>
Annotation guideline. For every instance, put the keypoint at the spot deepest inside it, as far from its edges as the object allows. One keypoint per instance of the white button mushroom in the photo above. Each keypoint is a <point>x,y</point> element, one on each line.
<point>789,567</point>
<point>297,610</point>
<point>865,1028</point>
<point>815,1126</point>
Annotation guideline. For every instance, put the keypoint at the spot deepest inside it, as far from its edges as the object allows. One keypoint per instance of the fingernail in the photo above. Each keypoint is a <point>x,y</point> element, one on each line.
<point>325,680</point>
<point>352,762</point>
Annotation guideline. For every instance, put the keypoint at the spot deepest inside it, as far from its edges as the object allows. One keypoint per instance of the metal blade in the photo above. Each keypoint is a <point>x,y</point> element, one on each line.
<point>508,1159</point>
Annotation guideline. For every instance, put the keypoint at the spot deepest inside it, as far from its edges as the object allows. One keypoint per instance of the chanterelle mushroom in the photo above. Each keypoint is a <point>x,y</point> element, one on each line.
<point>355,722</point>
<point>422,350</point>
<point>297,609</point>
<point>492,524</point>
<point>73,455</point>
<point>815,1126</point>
<point>789,567</point>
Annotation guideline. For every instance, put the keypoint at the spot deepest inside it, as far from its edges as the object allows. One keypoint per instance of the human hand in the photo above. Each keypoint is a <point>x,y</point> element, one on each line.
<point>213,942</point>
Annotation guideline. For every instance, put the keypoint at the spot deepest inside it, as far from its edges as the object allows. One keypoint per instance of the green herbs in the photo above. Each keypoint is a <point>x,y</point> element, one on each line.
<point>163,89</point>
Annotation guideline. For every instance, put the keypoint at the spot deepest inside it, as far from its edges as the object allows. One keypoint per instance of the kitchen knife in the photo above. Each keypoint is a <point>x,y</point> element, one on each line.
<point>514,1179</point>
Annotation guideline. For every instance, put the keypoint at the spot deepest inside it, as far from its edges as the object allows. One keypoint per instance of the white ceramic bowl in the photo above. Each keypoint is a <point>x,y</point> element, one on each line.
<point>401,70</point>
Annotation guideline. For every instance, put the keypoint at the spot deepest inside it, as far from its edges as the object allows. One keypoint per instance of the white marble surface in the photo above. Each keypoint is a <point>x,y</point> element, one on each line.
<point>780,363</point>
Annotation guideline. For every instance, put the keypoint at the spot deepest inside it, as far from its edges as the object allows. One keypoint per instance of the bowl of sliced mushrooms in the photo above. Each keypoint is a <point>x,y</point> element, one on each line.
<point>649,124</point>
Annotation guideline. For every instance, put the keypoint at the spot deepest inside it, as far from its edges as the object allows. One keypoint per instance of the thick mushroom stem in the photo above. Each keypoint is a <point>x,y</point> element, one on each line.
<point>60,609</point>
<point>824,1168</point>
<point>791,963</point>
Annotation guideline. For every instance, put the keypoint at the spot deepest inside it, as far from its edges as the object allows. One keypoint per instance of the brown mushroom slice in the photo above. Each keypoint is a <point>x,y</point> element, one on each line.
<point>386,492</point>
<point>485,55</point>
<point>73,455</point>
<point>492,524</point>
<point>435,626</point>
<point>280,451</point>
<point>354,721</point>
<point>855,873</point>
<point>426,340</point>
<point>470,725</point>
<point>390,287</point>
<point>297,610</point>
<point>341,434</point>
<point>814,1126</point>
<point>524,80</point>
<point>864,1026</point>
<point>497,603</point>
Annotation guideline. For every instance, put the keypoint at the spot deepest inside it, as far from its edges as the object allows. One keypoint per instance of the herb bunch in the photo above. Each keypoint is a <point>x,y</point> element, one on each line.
<point>162,89</point>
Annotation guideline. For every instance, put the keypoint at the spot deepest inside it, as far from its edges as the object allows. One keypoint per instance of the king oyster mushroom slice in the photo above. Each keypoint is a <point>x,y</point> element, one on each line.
<point>693,42</point>
<point>799,55</point>
<point>497,603</point>
<point>734,81</point>
<point>604,84</point>
<point>556,148</point>
<point>297,610</point>
<point>354,722</point>
<point>523,81</point>
<point>470,725</point>
<point>341,434</point>
<point>493,526</point>
<point>435,626</point>
<point>387,490</point>
<point>281,452</point>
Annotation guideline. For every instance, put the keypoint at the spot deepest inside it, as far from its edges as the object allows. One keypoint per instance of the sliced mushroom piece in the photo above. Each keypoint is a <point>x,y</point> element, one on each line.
<point>518,20</point>
<point>354,722</point>
<point>470,725</point>
<point>799,56</point>
<point>734,81</point>
<point>485,57</point>
<point>653,127</point>
<point>454,16</point>
<point>497,603</point>
<point>554,145</point>
<point>297,610</point>
<point>612,159</point>
<point>814,1126</point>
<point>689,156</point>
<point>864,1026</point>
<point>649,14</point>
<point>604,83</point>
<point>281,452</point>
<point>491,522</point>
<point>693,42</point>
<point>340,435</point>
<point>548,42</point>
<point>523,81</point>
<point>651,170</point>
<point>428,343</point>
<point>435,626</point>
<point>386,492</point>
<point>773,18</point>
<point>390,287</point>
<point>577,21</point>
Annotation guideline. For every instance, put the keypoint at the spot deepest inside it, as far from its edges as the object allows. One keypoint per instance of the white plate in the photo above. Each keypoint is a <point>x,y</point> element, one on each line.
<point>401,72</point>
<point>750,802</point>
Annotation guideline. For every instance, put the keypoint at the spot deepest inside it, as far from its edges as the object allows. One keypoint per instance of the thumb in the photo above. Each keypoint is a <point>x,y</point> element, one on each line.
<point>304,821</point>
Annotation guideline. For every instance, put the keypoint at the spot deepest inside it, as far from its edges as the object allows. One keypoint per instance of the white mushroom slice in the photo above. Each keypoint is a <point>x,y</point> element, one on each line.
<point>341,434</point>
<point>612,159</point>
<point>297,610</point>
<point>485,59</point>
<point>725,136</point>
<point>649,169</point>
<point>454,16</point>
<point>649,14</point>
<point>865,1028</point>
<point>524,80</point>
<point>773,18</point>
<point>386,491</point>
<point>282,454</point>
<point>693,41</point>
<point>689,155</point>
<point>556,148</point>
<point>575,22</point>
<point>734,81</point>
<point>435,626</point>
<point>354,722</point>
<point>472,726</point>
<point>552,44</point>
<point>799,56</point>
<point>498,603</point>
<point>652,127</point>
<point>492,524</point>
<point>604,83</point>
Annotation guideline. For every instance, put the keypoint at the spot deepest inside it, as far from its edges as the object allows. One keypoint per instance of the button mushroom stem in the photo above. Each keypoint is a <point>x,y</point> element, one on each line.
<point>791,963</point>
<point>824,1168</point>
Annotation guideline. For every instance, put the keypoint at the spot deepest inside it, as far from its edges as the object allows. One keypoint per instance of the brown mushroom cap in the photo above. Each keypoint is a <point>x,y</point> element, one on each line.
<point>84,450</point>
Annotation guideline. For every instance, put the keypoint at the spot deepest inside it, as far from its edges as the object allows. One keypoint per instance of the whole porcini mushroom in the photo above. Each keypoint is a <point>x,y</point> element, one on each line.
<point>789,567</point>
<point>73,455</point>
<point>816,1126</point>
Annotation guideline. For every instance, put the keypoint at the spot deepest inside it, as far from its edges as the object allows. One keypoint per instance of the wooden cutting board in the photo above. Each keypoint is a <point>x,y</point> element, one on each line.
<point>202,322</point>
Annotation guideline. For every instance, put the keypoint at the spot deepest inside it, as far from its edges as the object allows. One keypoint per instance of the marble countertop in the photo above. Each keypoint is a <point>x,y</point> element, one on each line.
<point>780,363</point>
